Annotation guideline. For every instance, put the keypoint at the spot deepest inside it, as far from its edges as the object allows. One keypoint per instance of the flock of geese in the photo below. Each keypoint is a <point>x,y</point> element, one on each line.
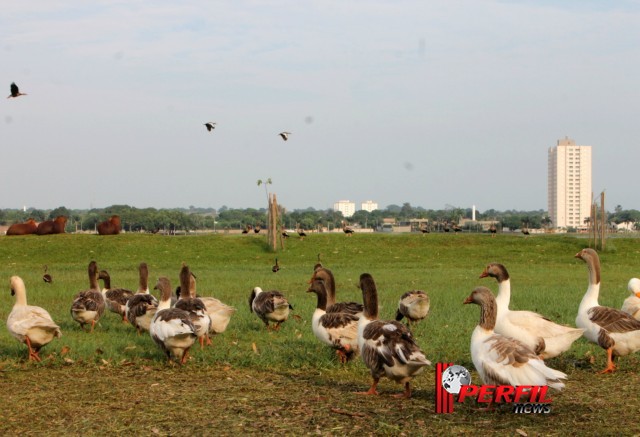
<point>507,347</point>
<point>210,125</point>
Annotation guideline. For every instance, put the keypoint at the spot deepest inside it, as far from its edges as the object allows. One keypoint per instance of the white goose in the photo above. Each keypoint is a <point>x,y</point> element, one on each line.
<point>219,313</point>
<point>338,330</point>
<point>546,338</point>
<point>270,306</point>
<point>171,328</point>
<point>631,305</point>
<point>387,347</point>
<point>414,305</point>
<point>193,305</point>
<point>142,306</point>
<point>30,324</point>
<point>88,305</point>
<point>502,360</point>
<point>611,329</point>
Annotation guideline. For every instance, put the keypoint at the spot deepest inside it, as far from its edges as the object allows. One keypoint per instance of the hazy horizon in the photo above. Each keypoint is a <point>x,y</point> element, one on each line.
<point>432,103</point>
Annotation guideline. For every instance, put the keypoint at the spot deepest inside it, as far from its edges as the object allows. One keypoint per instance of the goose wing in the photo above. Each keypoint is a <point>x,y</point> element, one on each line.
<point>613,320</point>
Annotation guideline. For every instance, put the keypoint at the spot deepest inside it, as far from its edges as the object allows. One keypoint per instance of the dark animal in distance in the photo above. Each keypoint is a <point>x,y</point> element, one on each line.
<point>47,277</point>
<point>15,91</point>
<point>210,126</point>
<point>26,228</point>
<point>55,226</point>
<point>285,135</point>
<point>110,227</point>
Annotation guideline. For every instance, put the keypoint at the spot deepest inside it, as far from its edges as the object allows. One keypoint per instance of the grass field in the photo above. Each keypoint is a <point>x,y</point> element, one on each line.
<point>254,381</point>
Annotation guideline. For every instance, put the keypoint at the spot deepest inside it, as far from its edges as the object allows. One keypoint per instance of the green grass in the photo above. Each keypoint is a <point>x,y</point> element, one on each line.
<point>115,381</point>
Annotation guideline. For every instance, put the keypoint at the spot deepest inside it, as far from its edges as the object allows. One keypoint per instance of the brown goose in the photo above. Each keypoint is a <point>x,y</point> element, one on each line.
<point>330,282</point>
<point>142,306</point>
<point>502,360</point>
<point>611,329</point>
<point>193,305</point>
<point>171,328</point>
<point>219,313</point>
<point>414,305</point>
<point>115,298</point>
<point>270,306</point>
<point>387,347</point>
<point>338,330</point>
<point>88,305</point>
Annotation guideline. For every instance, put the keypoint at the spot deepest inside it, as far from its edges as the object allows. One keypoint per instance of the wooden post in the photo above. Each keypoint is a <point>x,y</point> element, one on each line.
<point>272,234</point>
<point>592,226</point>
<point>603,222</point>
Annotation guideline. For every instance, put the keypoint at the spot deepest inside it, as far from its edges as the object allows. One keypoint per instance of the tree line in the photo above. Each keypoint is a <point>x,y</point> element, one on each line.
<point>192,218</point>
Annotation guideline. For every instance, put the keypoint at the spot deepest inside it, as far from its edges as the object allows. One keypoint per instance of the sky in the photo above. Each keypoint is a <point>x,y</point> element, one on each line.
<point>440,103</point>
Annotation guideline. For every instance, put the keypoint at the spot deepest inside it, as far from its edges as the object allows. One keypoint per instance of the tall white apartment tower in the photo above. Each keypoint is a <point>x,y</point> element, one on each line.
<point>369,205</point>
<point>346,207</point>
<point>569,184</point>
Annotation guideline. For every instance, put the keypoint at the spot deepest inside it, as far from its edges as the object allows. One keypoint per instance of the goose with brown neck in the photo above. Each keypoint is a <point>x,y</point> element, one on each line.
<point>171,328</point>
<point>325,274</point>
<point>611,329</point>
<point>631,304</point>
<point>88,305</point>
<point>338,330</point>
<point>502,360</point>
<point>142,306</point>
<point>29,324</point>
<point>547,338</point>
<point>387,347</point>
<point>193,305</point>
<point>219,312</point>
<point>115,298</point>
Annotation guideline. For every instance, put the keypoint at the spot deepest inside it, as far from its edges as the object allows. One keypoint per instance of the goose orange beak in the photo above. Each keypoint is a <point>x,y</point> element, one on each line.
<point>467,300</point>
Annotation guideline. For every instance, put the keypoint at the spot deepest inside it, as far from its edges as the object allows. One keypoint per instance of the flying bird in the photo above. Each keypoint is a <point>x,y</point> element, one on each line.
<point>285,135</point>
<point>210,126</point>
<point>15,92</point>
